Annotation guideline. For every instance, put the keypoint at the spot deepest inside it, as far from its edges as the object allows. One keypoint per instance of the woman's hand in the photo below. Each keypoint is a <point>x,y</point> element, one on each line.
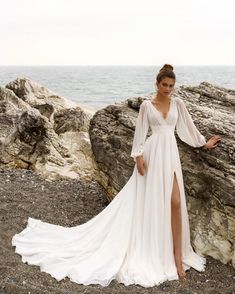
<point>212,142</point>
<point>141,165</point>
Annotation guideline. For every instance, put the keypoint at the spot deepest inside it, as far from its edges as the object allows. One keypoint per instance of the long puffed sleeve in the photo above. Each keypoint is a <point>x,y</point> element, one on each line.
<point>141,131</point>
<point>186,128</point>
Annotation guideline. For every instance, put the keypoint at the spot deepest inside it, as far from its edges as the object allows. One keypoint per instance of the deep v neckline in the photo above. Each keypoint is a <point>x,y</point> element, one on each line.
<point>165,118</point>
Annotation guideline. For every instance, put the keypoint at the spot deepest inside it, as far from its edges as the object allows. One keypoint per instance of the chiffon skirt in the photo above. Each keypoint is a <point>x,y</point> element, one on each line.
<point>130,240</point>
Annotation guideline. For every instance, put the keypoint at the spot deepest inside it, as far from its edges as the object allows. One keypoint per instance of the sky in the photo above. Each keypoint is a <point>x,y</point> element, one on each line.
<point>123,32</point>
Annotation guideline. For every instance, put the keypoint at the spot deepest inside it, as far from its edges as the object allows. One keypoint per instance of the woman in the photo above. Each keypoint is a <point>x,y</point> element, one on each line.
<point>132,240</point>
<point>187,132</point>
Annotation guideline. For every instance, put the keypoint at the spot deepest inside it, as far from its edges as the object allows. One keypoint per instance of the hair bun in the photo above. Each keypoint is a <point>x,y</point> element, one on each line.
<point>167,67</point>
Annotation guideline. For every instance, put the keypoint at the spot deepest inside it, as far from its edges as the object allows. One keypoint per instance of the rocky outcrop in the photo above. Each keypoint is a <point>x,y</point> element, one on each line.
<point>35,94</point>
<point>208,175</point>
<point>111,133</point>
<point>44,132</point>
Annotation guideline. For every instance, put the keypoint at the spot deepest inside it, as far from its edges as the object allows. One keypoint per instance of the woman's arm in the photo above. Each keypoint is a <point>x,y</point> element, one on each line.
<point>141,130</point>
<point>212,142</point>
<point>186,128</point>
<point>188,132</point>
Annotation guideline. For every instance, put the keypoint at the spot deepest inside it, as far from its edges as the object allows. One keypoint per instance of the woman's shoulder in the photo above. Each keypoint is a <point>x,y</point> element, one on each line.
<point>176,99</point>
<point>144,103</point>
<point>179,101</point>
<point>146,100</point>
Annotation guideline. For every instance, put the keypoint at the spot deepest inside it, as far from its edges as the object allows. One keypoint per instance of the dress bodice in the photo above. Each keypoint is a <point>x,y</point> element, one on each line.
<point>156,120</point>
<point>178,118</point>
<point>162,129</point>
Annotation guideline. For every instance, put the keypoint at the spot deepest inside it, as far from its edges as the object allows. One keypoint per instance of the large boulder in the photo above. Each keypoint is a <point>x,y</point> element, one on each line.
<point>111,132</point>
<point>208,175</point>
<point>35,94</point>
<point>45,132</point>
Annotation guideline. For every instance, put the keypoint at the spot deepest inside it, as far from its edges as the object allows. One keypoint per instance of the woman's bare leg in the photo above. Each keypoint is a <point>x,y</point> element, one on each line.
<point>176,227</point>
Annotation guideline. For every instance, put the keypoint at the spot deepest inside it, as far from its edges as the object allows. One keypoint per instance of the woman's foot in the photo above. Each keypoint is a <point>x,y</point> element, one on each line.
<point>181,272</point>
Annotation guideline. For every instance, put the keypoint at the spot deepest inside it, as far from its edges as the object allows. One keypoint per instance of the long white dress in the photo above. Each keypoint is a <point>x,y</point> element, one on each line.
<point>130,240</point>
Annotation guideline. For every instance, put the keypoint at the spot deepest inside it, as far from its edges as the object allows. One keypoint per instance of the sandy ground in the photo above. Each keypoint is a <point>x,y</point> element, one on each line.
<point>24,193</point>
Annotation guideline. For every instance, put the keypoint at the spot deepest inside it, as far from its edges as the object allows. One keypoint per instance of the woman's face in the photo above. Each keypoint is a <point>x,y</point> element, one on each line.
<point>166,86</point>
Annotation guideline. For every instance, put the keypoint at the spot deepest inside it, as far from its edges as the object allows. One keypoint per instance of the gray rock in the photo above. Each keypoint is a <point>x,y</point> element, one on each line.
<point>11,107</point>
<point>35,94</point>
<point>32,141</point>
<point>44,132</point>
<point>111,133</point>
<point>71,120</point>
<point>43,99</point>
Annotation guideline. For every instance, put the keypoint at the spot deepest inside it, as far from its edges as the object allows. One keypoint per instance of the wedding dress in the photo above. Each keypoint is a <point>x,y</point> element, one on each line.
<point>130,240</point>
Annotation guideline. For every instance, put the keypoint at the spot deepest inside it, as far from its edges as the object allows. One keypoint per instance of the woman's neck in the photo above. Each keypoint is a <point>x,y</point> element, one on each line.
<point>160,98</point>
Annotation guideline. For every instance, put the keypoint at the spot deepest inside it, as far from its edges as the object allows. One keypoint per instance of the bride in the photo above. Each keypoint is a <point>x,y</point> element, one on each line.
<point>143,235</point>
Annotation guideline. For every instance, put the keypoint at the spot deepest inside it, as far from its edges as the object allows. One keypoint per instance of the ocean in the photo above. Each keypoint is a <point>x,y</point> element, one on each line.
<point>99,86</point>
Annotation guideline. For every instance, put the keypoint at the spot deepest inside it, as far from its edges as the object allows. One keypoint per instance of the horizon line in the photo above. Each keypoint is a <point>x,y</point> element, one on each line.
<point>115,65</point>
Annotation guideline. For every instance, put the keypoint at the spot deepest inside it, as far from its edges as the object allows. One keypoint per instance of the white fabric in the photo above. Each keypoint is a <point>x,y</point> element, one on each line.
<point>130,240</point>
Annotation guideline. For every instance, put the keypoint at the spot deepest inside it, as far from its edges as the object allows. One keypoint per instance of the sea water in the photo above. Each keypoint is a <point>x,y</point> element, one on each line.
<point>99,86</point>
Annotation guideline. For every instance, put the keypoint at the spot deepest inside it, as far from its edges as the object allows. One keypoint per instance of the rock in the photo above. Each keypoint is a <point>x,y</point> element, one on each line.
<point>44,132</point>
<point>208,175</point>
<point>45,109</point>
<point>32,142</point>
<point>10,108</point>
<point>111,132</point>
<point>71,120</point>
<point>38,96</point>
<point>35,94</point>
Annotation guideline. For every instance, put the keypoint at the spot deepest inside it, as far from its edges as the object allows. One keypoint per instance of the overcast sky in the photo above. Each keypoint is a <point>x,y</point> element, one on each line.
<point>120,32</point>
